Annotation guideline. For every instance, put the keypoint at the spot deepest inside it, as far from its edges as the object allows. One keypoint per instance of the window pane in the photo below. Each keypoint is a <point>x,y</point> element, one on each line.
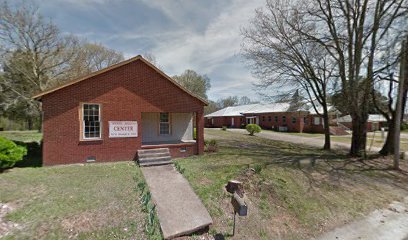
<point>91,120</point>
<point>164,117</point>
<point>164,128</point>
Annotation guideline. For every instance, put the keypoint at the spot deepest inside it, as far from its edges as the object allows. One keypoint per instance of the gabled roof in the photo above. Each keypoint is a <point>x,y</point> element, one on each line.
<point>134,59</point>
<point>251,109</point>
<point>232,111</point>
<point>270,108</point>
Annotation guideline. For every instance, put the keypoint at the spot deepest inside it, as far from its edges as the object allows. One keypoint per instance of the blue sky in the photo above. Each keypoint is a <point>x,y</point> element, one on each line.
<point>200,35</point>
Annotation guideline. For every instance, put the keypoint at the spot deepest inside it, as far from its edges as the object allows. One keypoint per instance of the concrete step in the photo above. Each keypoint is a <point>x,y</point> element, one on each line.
<point>148,164</point>
<point>154,159</point>
<point>154,150</point>
<point>159,154</point>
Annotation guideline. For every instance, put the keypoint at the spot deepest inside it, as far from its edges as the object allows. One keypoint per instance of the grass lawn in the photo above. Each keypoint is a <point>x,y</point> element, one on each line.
<point>287,197</point>
<point>22,136</point>
<point>373,139</point>
<point>91,201</point>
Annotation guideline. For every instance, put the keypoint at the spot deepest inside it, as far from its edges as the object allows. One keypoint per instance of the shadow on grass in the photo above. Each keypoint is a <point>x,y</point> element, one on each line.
<point>33,157</point>
<point>335,164</point>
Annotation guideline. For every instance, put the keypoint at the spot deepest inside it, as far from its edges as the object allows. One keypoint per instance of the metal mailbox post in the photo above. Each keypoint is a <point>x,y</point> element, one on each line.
<point>239,207</point>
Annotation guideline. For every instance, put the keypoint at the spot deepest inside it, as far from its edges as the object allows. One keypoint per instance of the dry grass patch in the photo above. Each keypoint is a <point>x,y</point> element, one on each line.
<point>92,201</point>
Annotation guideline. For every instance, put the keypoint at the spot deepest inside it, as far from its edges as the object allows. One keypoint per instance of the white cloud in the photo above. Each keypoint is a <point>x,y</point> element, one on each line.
<point>204,51</point>
<point>201,35</point>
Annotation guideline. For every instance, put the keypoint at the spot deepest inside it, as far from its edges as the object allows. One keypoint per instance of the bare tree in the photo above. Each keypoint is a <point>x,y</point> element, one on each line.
<point>92,57</point>
<point>228,102</point>
<point>244,100</point>
<point>351,32</point>
<point>35,49</point>
<point>388,81</point>
<point>283,58</point>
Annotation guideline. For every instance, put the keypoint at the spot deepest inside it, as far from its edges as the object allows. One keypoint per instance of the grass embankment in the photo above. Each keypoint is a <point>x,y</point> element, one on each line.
<point>22,136</point>
<point>92,201</point>
<point>288,198</point>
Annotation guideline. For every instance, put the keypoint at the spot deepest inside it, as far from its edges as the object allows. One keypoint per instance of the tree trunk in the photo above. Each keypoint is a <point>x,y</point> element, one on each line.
<point>326,131</point>
<point>359,136</point>
<point>30,123</point>
<point>388,147</point>
<point>40,117</point>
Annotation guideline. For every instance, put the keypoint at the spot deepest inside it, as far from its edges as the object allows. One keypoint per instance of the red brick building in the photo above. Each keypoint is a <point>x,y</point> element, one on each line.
<point>110,114</point>
<point>268,116</point>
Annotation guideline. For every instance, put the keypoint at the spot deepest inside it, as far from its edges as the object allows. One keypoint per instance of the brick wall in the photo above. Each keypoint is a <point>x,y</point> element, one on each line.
<point>293,122</point>
<point>218,122</point>
<point>124,93</point>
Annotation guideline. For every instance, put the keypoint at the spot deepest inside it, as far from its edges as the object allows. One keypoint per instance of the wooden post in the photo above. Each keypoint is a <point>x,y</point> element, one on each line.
<point>200,132</point>
<point>402,78</point>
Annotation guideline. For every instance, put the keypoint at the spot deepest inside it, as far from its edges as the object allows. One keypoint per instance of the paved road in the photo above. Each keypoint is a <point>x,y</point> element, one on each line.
<point>385,224</point>
<point>315,142</point>
<point>179,209</point>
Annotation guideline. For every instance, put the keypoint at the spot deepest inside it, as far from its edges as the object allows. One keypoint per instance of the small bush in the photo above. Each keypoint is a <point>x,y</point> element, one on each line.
<point>243,126</point>
<point>253,128</point>
<point>224,128</point>
<point>10,153</point>
<point>211,145</point>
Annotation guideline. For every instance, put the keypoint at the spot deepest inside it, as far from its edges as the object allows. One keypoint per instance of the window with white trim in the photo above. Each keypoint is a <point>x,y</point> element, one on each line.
<point>164,123</point>
<point>91,121</point>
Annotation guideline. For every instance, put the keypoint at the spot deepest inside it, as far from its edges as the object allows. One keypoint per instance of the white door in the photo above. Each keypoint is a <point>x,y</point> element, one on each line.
<point>232,122</point>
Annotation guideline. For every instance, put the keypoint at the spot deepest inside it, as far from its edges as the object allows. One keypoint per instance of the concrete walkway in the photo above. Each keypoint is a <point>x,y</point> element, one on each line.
<point>385,224</point>
<point>179,209</point>
<point>310,141</point>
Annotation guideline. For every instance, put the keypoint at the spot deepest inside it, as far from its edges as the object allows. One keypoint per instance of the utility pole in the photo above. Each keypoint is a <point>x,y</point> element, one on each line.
<point>398,111</point>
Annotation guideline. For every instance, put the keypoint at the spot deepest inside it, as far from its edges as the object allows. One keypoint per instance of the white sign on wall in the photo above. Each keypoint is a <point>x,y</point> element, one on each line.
<point>122,129</point>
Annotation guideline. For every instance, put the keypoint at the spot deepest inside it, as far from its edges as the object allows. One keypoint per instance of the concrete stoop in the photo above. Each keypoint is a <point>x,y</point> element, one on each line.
<point>179,209</point>
<point>153,157</point>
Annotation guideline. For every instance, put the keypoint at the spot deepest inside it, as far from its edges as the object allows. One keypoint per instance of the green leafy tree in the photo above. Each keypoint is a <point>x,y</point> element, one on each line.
<point>194,82</point>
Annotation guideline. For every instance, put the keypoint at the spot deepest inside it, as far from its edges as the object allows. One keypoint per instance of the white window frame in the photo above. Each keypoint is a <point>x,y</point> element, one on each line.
<point>83,122</point>
<point>168,122</point>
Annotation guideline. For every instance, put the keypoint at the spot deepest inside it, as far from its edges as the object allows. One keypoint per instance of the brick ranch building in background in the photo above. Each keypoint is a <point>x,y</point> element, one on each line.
<point>273,116</point>
<point>110,114</point>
